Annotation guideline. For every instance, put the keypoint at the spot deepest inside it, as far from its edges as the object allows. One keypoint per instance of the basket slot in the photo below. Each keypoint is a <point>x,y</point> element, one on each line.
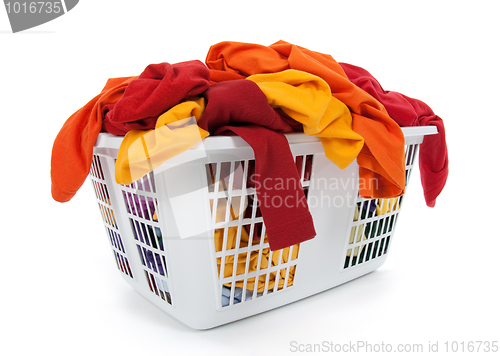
<point>96,168</point>
<point>98,181</point>
<point>244,261</point>
<point>123,264</point>
<point>141,204</point>
<point>371,230</point>
<point>158,286</point>
<point>155,262</point>
<point>146,184</point>
<point>304,167</point>
<point>146,233</point>
<point>278,272</point>
<point>115,239</point>
<point>374,221</point>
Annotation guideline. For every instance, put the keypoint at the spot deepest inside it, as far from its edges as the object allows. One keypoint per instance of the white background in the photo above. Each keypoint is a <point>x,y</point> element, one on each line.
<point>60,291</point>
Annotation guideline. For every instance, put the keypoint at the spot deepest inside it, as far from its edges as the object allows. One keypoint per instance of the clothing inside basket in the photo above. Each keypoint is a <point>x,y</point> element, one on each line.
<point>248,235</point>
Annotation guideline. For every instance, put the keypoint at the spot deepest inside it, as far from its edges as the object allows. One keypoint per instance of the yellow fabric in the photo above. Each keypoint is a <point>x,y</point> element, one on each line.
<point>386,205</point>
<point>142,151</point>
<point>304,97</point>
<point>107,214</point>
<point>307,99</point>
<point>357,236</point>
<point>267,257</point>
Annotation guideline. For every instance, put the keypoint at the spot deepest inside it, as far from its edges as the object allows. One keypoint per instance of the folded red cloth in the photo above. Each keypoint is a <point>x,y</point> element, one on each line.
<point>158,88</point>
<point>433,161</point>
<point>241,107</point>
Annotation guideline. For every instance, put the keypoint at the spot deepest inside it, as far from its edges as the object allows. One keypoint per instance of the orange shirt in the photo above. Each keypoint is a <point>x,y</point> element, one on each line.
<point>381,160</point>
<point>73,147</point>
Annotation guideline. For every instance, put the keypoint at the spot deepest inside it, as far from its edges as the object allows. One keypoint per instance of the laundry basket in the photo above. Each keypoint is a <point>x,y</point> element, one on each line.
<point>190,238</point>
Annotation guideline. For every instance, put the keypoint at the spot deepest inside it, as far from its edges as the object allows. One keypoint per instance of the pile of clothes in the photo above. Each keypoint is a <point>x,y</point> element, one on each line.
<point>258,93</point>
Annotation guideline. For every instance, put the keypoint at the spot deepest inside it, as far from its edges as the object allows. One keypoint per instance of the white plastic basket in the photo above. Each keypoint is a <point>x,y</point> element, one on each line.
<point>161,229</point>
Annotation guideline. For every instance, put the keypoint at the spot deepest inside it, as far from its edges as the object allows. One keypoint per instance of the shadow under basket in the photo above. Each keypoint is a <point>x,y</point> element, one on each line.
<point>191,239</point>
